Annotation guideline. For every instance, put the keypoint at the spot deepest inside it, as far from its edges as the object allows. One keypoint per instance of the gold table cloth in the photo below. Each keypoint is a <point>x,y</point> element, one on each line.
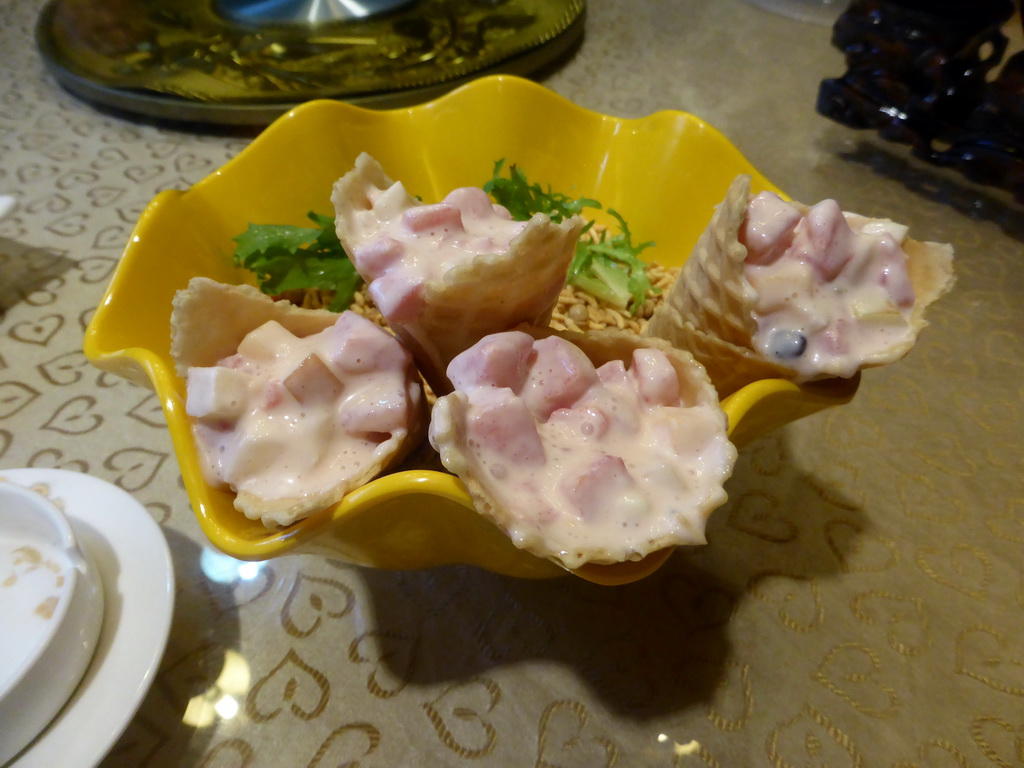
<point>860,599</point>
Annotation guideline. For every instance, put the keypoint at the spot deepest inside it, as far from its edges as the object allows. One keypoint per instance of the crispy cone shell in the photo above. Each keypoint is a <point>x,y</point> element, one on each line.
<point>710,308</point>
<point>447,434</point>
<point>490,294</point>
<point>209,321</point>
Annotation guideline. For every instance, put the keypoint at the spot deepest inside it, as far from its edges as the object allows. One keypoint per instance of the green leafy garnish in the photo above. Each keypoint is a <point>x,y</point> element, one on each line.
<point>287,258</point>
<point>610,268</point>
<point>523,199</point>
<point>607,266</point>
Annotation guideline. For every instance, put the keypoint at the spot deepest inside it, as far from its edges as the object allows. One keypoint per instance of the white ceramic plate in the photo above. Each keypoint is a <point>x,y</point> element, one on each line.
<point>52,608</point>
<point>134,563</point>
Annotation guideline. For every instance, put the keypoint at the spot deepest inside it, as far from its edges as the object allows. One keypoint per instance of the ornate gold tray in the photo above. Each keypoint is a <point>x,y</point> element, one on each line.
<point>191,60</point>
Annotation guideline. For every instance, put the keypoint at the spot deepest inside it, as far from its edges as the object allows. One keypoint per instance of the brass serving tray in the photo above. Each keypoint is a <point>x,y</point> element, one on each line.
<point>185,60</point>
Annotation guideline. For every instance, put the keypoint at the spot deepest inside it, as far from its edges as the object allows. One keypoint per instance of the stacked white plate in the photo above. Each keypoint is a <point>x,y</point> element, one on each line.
<point>51,605</point>
<point>86,597</point>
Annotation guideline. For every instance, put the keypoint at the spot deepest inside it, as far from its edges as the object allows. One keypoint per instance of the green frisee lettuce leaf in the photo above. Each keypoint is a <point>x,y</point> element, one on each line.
<point>607,266</point>
<point>285,258</point>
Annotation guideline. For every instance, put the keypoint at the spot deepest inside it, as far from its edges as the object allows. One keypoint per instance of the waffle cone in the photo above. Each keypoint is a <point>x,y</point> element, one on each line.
<point>488,294</point>
<point>930,266</point>
<point>711,292</point>
<point>210,319</point>
<point>448,436</point>
<point>208,322</point>
<point>730,366</point>
<point>710,308</point>
<point>491,294</point>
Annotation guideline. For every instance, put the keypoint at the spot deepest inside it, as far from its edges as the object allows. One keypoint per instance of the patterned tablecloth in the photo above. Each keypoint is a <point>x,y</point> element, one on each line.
<point>859,603</point>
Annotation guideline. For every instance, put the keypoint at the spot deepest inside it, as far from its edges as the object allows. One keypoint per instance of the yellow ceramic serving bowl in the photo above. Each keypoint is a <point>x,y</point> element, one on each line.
<point>664,173</point>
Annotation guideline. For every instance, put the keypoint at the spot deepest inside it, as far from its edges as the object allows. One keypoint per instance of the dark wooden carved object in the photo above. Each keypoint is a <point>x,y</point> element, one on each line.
<point>918,73</point>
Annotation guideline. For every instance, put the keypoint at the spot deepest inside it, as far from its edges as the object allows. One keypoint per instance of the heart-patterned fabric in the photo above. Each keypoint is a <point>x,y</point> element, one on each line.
<point>859,602</point>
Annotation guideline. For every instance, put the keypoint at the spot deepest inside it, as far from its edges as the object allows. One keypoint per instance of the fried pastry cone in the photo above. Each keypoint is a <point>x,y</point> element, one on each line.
<point>585,448</point>
<point>783,290</point>
<point>446,275</point>
<point>291,408</point>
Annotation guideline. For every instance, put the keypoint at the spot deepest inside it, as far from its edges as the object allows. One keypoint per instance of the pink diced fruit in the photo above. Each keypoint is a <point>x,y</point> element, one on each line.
<point>474,202</point>
<point>424,219</point>
<point>373,413</point>
<point>374,258</point>
<point>559,376</point>
<point>767,228</point>
<point>498,360</point>
<point>589,423</point>
<point>502,425</point>
<point>312,383</point>
<point>893,275</point>
<point>656,379</point>
<point>400,299</point>
<point>824,239</point>
<point>604,488</point>
<point>360,346</point>
<point>614,374</point>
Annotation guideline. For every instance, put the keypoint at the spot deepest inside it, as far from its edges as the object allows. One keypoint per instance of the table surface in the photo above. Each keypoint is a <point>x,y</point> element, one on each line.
<point>859,602</point>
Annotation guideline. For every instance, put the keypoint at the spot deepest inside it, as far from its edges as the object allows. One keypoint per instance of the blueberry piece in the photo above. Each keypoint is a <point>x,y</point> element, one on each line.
<point>787,345</point>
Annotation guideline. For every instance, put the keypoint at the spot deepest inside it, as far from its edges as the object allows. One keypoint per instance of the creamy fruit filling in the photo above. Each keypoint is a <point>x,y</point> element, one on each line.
<point>445,275</point>
<point>293,423</point>
<point>399,245</point>
<point>581,463</point>
<point>832,289</point>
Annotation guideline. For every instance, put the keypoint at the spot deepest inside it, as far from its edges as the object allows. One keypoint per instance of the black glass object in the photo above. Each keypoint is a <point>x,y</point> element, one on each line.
<point>918,73</point>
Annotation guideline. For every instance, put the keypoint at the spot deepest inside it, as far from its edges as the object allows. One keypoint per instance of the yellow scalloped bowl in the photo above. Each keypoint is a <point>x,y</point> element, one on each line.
<point>664,173</point>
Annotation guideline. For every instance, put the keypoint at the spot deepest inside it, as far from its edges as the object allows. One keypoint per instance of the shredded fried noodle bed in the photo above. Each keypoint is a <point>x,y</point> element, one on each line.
<point>576,310</point>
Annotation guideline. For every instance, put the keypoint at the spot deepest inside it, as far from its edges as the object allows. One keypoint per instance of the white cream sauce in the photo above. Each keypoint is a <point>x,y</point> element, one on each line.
<point>289,417</point>
<point>832,288</point>
<point>589,458</point>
